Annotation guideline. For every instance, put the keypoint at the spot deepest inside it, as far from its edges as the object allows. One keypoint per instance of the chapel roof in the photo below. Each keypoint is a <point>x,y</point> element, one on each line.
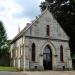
<point>27,27</point>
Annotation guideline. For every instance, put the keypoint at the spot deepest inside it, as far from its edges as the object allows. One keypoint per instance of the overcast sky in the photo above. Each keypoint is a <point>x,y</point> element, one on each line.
<point>14,13</point>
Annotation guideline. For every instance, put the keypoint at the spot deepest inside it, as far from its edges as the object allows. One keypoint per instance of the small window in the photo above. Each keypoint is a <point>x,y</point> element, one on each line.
<point>20,50</point>
<point>33,52</point>
<point>61,53</point>
<point>47,30</point>
<point>16,53</point>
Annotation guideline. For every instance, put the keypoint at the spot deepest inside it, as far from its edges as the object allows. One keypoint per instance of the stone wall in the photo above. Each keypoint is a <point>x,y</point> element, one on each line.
<point>37,34</point>
<point>55,46</point>
<point>38,27</point>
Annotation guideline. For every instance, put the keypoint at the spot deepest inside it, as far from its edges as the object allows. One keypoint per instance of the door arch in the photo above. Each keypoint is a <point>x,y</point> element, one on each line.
<point>47,58</point>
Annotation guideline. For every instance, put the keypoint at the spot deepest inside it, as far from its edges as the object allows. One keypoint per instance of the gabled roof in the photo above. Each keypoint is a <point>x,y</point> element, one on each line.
<point>27,27</point>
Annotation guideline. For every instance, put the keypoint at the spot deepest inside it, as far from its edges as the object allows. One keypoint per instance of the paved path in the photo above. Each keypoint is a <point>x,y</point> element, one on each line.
<point>39,73</point>
<point>50,73</point>
<point>11,73</point>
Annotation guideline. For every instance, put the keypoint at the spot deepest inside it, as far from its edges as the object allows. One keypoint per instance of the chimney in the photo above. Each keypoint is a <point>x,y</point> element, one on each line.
<point>28,24</point>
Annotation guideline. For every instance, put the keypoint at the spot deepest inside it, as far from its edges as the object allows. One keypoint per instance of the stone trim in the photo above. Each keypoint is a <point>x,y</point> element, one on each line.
<point>46,38</point>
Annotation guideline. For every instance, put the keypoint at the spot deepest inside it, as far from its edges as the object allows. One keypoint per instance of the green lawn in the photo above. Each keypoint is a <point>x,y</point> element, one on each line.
<point>2,68</point>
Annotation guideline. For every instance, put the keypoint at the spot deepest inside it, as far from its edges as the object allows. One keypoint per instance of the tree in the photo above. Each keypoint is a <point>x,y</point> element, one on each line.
<point>3,40</point>
<point>64,12</point>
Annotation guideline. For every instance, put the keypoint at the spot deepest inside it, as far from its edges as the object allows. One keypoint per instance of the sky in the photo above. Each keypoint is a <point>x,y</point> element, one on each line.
<point>16,13</point>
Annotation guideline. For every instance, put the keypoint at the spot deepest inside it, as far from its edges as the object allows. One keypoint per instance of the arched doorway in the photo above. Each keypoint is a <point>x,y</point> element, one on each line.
<point>47,58</point>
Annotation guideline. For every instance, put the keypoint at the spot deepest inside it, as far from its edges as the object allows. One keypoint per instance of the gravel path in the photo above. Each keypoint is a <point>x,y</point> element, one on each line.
<point>38,73</point>
<point>50,73</point>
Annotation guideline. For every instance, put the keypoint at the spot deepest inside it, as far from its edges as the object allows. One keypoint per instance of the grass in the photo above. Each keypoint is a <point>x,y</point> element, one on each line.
<point>3,68</point>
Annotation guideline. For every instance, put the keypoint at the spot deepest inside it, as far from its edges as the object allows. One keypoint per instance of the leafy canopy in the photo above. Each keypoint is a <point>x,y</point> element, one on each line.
<point>3,39</point>
<point>64,12</point>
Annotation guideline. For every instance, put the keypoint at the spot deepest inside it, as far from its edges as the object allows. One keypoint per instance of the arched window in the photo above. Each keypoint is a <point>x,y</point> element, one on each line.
<point>48,30</point>
<point>33,52</point>
<point>61,53</point>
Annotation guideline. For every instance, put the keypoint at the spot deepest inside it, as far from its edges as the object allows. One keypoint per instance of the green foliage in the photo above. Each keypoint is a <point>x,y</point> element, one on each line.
<point>3,40</point>
<point>73,2</point>
<point>64,12</point>
<point>73,56</point>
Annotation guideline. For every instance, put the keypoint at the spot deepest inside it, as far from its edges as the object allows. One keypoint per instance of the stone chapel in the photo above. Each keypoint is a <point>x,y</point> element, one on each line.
<point>41,45</point>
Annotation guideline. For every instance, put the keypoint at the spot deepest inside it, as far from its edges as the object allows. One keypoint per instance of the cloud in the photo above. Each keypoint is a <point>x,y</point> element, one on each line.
<point>31,8</point>
<point>18,12</point>
<point>7,9</point>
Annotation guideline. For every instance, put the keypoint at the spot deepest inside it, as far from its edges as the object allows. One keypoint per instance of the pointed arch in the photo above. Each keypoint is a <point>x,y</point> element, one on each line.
<point>53,49</point>
<point>51,45</point>
<point>47,58</point>
<point>33,51</point>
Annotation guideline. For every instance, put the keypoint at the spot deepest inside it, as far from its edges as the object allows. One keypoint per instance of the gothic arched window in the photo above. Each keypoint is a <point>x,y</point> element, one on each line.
<point>61,53</point>
<point>47,30</point>
<point>33,52</point>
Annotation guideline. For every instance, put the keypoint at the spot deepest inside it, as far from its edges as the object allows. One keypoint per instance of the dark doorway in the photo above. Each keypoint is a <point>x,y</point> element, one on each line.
<point>47,58</point>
